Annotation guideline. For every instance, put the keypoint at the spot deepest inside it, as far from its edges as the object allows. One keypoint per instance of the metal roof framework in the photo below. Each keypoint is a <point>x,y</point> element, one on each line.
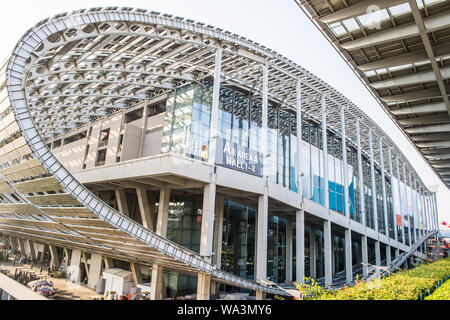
<point>400,50</point>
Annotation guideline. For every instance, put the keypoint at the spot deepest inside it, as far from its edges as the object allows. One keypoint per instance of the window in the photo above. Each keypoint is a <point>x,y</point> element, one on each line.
<point>104,137</point>
<point>134,115</point>
<point>101,157</point>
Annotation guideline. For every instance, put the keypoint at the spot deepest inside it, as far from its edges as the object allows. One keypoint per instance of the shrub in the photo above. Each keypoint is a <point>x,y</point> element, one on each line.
<point>442,293</point>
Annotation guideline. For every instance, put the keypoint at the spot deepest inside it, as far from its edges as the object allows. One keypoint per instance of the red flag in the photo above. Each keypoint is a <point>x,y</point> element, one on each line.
<point>444,223</point>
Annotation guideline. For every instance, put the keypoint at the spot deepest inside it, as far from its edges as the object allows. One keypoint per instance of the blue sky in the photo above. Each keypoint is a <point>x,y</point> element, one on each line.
<point>279,25</point>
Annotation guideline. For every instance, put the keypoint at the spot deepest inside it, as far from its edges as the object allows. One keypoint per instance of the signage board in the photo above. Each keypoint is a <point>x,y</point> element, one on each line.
<point>234,156</point>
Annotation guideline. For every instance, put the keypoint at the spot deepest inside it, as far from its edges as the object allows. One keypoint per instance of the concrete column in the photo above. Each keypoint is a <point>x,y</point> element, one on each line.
<point>22,248</point>
<point>55,256</point>
<point>136,273</point>
<point>157,280</point>
<point>383,187</point>
<point>388,255</point>
<point>74,267</point>
<point>32,250</point>
<point>348,256</point>
<point>95,270</point>
<point>344,165</point>
<point>360,175</point>
<point>364,256</point>
<point>312,253</point>
<point>215,107</point>
<point>397,252</point>
<point>327,253</point>
<point>203,286</point>
<point>377,257</point>
<point>44,253</point>
<point>109,263</point>
<point>217,241</point>
<point>260,295</point>
<point>373,187</point>
<point>298,108</point>
<point>391,176</point>
<point>325,152</point>
<point>262,227</point>
<point>207,229</point>
<point>289,253</point>
<point>300,246</point>
<point>122,202</point>
<point>145,209</point>
<point>436,210</point>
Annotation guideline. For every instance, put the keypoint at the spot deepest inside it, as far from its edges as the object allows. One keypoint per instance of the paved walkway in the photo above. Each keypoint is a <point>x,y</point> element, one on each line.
<point>64,290</point>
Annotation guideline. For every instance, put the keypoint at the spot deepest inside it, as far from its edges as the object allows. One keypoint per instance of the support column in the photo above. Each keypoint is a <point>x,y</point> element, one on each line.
<point>348,256</point>
<point>157,280</point>
<point>206,238</point>
<point>109,263</point>
<point>327,253</point>
<point>145,209</point>
<point>373,187</point>
<point>345,165</point>
<point>136,273</point>
<point>377,257</point>
<point>325,153</point>
<point>217,242</point>
<point>360,175</point>
<point>122,202</point>
<point>312,253</point>
<point>298,108</point>
<point>95,270</point>
<point>55,256</point>
<point>391,177</point>
<point>262,227</point>
<point>436,210</point>
<point>74,267</point>
<point>300,246</point>
<point>388,255</point>
<point>289,245</point>
<point>400,200</point>
<point>32,250</point>
<point>364,256</point>
<point>215,107</point>
<point>22,248</point>
<point>44,253</point>
<point>383,187</point>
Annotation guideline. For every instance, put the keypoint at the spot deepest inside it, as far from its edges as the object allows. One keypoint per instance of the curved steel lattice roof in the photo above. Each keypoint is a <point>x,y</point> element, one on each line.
<point>78,67</point>
<point>401,52</point>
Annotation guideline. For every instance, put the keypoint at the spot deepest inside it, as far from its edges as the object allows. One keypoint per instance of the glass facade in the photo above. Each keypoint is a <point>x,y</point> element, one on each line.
<point>187,131</point>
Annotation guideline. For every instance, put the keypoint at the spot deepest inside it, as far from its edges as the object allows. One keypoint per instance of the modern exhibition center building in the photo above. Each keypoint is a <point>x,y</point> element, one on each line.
<point>198,160</point>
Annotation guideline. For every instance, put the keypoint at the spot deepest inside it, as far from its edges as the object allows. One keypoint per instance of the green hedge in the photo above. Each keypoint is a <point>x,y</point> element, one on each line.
<point>401,285</point>
<point>441,293</point>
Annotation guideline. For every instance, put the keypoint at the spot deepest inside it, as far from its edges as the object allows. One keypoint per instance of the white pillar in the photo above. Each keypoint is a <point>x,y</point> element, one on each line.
<point>74,267</point>
<point>312,253</point>
<point>136,273</point>
<point>299,137</point>
<point>289,253</point>
<point>327,253</point>
<point>215,107</point>
<point>383,187</point>
<point>22,248</point>
<point>32,250</point>
<point>145,209</point>
<point>364,256</point>
<point>262,227</point>
<point>391,177</point>
<point>300,246</point>
<point>217,241</point>
<point>348,256</point>
<point>436,210</point>
<point>377,257</point>
<point>400,200</point>
<point>122,202</point>
<point>373,187</point>
<point>345,165</point>
<point>55,256</point>
<point>360,175</point>
<point>95,270</point>
<point>157,280</point>
<point>325,153</point>
<point>203,286</point>
<point>388,255</point>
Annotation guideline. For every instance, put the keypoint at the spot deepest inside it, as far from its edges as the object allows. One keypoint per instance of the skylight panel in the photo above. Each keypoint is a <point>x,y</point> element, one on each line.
<point>400,9</point>
<point>337,29</point>
<point>372,20</point>
<point>351,25</point>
